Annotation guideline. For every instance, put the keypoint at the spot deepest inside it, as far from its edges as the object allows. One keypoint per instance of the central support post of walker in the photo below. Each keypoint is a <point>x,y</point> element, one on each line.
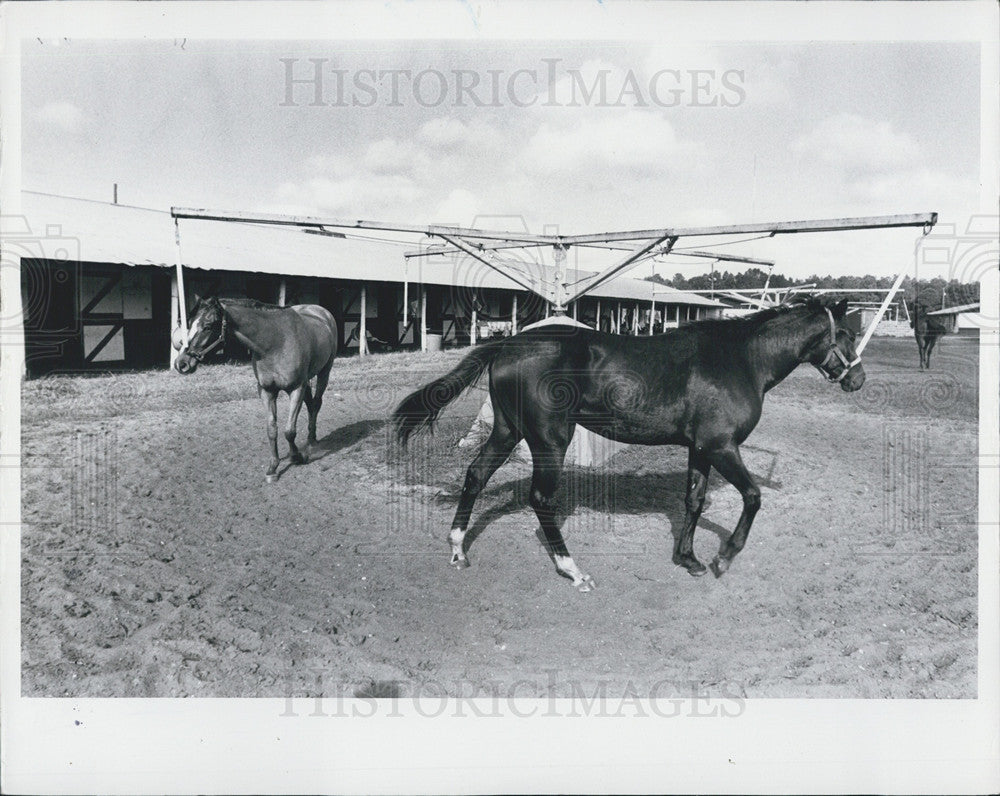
<point>560,287</point>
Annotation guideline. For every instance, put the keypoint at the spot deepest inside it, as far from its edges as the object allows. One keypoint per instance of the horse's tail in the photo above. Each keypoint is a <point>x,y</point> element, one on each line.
<point>420,409</point>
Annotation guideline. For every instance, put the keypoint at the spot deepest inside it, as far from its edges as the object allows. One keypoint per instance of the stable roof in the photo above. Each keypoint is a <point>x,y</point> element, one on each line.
<point>103,232</point>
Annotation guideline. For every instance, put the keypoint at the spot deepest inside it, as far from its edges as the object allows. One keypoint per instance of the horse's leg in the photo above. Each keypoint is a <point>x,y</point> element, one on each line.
<point>547,459</point>
<point>694,501</point>
<point>322,379</point>
<point>295,404</point>
<point>930,347</point>
<point>922,347</point>
<point>309,401</point>
<point>730,464</point>
<point>270,400</point>
<point>501,442</point>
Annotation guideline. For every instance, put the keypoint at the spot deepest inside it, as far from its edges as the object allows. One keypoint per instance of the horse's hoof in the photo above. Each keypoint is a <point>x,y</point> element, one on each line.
<point>297,458</point>
<point>719,567</point>
<point>694,567</point>
<point>271,477</point>
<point>460,563</point>
<point>585,584</point>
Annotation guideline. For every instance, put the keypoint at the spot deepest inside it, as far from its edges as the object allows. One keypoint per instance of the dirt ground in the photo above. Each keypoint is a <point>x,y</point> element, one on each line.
<point>157,561</point>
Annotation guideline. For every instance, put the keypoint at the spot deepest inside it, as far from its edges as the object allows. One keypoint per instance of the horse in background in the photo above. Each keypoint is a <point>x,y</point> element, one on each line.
<point>928,329</point>
<point>288,346</point>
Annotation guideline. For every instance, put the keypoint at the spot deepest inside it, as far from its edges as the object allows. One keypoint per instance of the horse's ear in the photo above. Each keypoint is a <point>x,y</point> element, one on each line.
<point>840,309</point>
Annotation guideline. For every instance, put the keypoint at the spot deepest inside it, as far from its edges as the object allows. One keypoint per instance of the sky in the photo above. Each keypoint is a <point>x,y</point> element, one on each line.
<point>549,136</point>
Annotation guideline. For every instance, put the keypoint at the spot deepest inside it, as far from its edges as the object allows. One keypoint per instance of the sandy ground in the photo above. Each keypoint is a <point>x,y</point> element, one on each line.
<point>157,561</point>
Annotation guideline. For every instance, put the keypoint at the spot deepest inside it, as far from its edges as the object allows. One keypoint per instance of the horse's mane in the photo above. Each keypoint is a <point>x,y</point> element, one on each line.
<point>254,303</point>
<point>748,324</point>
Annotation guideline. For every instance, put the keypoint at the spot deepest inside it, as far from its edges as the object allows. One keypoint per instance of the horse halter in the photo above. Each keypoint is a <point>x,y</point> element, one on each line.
<point>835,353</point>
<point>200,355</point>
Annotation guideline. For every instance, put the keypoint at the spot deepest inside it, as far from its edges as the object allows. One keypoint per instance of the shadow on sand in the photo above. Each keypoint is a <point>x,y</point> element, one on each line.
<point>334,442</point>
<point>630,493</point>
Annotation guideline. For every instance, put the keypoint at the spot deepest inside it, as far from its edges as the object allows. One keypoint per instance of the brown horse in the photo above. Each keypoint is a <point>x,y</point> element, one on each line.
<point>927,330</point>
<point>289,346</point>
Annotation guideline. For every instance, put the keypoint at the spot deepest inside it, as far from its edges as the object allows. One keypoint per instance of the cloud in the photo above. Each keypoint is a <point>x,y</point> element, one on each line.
<point>64,116</point>
<point>449,141</point>
<point>444,132</point>
<point>389,156</point>
<point>331,165</point>
<point>687,57</point>
<point>856,144</point>
<point>593,84</point>
<point>634,140</point>
<point>369,191</point>
<point>422,174</point>
<point>460,207</point>
<point>381,177</point>
<point>768,83</point>
<point>921,188</point>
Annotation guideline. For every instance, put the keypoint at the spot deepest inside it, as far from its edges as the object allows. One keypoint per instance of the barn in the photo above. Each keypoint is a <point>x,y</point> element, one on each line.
<point>99,286</point>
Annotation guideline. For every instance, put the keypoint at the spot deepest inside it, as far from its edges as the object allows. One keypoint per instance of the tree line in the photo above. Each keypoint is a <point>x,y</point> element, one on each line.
<point>931,293</point>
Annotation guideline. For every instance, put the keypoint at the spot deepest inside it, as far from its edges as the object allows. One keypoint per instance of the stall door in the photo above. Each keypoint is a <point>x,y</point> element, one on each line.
<point>102,316</point>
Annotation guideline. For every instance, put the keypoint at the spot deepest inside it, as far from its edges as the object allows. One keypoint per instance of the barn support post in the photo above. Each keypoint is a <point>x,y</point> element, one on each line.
<point>598,315</point>
<point>282,291</point>
<point>635,320</point>
<point>181,300</point>
<point>406,301</point>
<point>472,325</point>
<point>574,310</point>
<point>618,319</point>
<point>423,317</point>
<point>363,334</point>
<point>513,316</point>
<point>174,317</point>
<point>652,315</point>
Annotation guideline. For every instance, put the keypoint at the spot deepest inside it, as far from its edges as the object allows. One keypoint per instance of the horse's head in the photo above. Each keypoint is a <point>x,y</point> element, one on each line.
<point>206,333</point>
<point>833,352</point>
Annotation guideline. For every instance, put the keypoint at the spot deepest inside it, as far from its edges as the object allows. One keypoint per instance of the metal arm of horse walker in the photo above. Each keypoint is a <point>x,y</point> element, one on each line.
<point>881,310</point>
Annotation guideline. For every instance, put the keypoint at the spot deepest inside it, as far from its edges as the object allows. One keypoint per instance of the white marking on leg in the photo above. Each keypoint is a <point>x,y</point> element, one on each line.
<point>457,538</point>
<point>567,566</point>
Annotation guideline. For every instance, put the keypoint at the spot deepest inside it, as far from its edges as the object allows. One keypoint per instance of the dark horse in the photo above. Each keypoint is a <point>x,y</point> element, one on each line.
<point>701,386</point>
<point>289,345</point>
<point>927,330</point>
